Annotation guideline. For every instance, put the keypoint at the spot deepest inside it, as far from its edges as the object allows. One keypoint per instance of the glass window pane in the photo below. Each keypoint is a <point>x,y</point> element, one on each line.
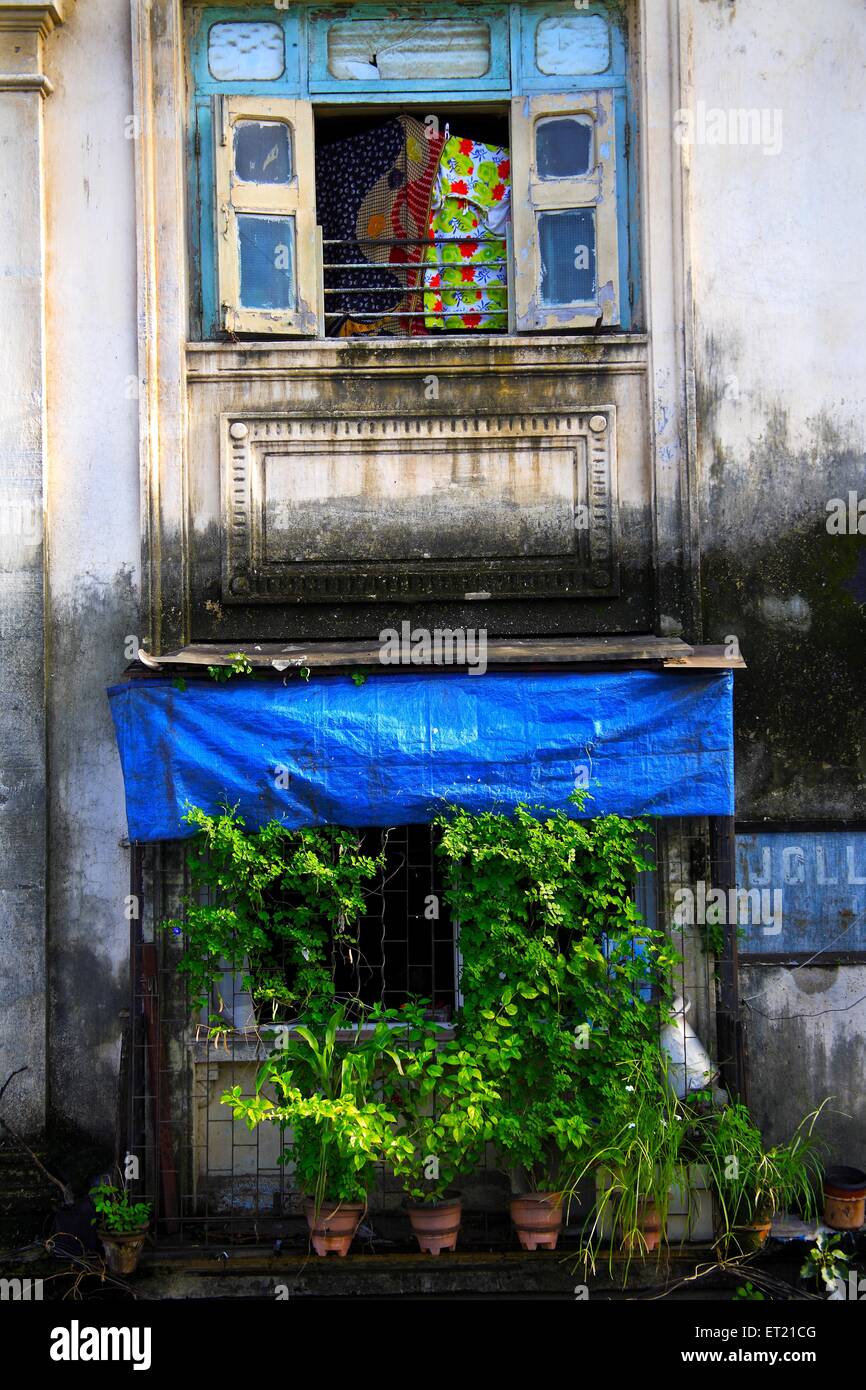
<point>263,152</point>
<point>563,147</point>
<point>267,256</point>
<point>240,51</point>
<point>572,45</point>
<point>382,50</point>
<point>567,244</point>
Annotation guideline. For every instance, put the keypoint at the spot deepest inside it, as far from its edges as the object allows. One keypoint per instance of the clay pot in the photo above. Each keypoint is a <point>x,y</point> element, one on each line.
<point>651,1229</point>
<point>122,1249</point>
<point>333,1226</point>
<point>745,1240</point>
<point>537,1218</point>
<point>844,1198</point>
<point>436,1224</point>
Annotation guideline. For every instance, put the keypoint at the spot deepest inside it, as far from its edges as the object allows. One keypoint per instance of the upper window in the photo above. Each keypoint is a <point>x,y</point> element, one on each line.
<point>359,172</point>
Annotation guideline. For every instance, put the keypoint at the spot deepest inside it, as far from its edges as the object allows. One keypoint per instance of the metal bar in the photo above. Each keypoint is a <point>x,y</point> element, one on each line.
<point>417,314</point>
<point>410,241</point>
<point>417,267</point>
<point>728,1019</point>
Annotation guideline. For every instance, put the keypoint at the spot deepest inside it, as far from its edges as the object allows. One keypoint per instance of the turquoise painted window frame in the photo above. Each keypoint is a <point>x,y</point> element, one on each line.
<point>513,29</point>
<point>494,83</point>
<point>292,80</point>
<point>525,22</point>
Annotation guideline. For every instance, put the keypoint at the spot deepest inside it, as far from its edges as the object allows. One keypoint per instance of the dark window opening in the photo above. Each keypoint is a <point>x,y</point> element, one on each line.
<point>404,946</point>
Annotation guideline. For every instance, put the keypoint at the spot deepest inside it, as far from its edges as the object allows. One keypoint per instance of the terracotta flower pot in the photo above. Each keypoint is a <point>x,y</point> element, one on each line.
<point>745,1240</point>
<point>333,1226</point>
<point>122,1249</point>
<point>436,1224</point>
<point>537,1218</point>
<point>651,1229</point>
<point>844,1198</point>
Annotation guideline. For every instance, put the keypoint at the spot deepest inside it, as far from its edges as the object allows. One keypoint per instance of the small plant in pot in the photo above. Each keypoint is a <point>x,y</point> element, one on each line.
<point>639,1153</point>
<point>325,1079</point>
<point>444,1104</point>
<point>542,1130</point>
<point>751,1182</point>
<point>121,1225</point>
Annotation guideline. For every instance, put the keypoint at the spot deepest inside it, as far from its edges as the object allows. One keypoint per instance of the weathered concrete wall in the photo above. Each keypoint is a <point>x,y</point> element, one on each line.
<point>22,617</point>
<point>780,300</point>
<point>808,1042</point>
<point>93,502</point>
<point>776,245</point>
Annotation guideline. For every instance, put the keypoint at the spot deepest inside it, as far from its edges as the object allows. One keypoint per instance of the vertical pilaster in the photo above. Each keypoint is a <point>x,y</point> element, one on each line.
<point>23,765</point>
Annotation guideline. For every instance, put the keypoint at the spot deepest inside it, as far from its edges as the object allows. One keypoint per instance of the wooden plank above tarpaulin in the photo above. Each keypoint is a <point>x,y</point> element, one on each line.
<point>394,751</point>
<point>499,652</point>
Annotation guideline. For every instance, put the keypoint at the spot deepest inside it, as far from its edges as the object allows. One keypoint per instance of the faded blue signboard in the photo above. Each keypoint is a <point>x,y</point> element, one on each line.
<point>816,882</point>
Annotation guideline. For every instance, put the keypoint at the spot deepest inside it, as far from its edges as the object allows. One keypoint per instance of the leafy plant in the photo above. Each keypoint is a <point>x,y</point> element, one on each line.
<point>238,665</point>
<point>282,902</point>
<point>751,1182</point>
<point>325,1087</point>
<point>445,1105</point>
<point>115,1212</point>
<point>826,1262</point>
<point>639,1151</point>
<point>748,1291</point>
<point>557,962</point>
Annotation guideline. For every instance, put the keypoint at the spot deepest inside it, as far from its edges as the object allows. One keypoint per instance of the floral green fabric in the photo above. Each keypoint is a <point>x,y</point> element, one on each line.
<point>465,278</point>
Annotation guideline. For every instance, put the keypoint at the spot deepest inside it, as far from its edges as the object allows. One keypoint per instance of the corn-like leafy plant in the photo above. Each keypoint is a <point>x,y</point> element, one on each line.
<point>327,1081</point>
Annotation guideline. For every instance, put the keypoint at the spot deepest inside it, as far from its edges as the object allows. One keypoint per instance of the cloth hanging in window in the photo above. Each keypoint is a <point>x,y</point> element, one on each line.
<point>374,190</point>
<point>465,278</point>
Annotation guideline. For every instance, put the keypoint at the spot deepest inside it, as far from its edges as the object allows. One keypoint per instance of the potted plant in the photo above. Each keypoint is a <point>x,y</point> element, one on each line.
<point>444,1106</point>
<point>752,1182</point>
<point>121,1225</point>
<point>557,961</point>
<point>639,1154</point>
<point>541,1128</point>
<point>324,1079</point>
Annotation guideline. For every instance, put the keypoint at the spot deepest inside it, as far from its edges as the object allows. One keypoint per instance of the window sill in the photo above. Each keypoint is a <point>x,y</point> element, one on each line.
<point>589,352</point>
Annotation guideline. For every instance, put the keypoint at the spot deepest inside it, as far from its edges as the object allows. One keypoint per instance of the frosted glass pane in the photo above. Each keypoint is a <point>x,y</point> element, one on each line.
<point>240,51</point>
<point>267,256</point>
<point>263,152</point>
<point>572,45</point>
<point>563,147</point>
<point>373,49</point>
<point>567,244</point>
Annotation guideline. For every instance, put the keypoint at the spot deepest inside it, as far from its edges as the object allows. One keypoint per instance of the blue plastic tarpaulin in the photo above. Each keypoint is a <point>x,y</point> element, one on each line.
<point>401,747</point>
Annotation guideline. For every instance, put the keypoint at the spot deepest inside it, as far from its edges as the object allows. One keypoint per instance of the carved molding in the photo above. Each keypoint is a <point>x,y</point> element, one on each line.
<point>469,463</point>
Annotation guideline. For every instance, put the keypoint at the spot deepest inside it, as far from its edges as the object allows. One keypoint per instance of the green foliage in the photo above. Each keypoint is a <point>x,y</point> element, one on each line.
<point>641,1150</point>
<point>445,1105</point>
<point>552,974</point>
<point>359,678</point>
<point>116,1212</point>
<point>281,901</point>
<point>238,666</point>
<point>324,1083</point>
<point>825,1261</point>
<point>751,1182</point>
<point>746,1292</point>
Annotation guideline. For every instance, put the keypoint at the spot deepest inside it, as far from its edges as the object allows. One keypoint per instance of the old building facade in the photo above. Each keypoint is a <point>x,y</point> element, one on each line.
<point>623,453</point>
